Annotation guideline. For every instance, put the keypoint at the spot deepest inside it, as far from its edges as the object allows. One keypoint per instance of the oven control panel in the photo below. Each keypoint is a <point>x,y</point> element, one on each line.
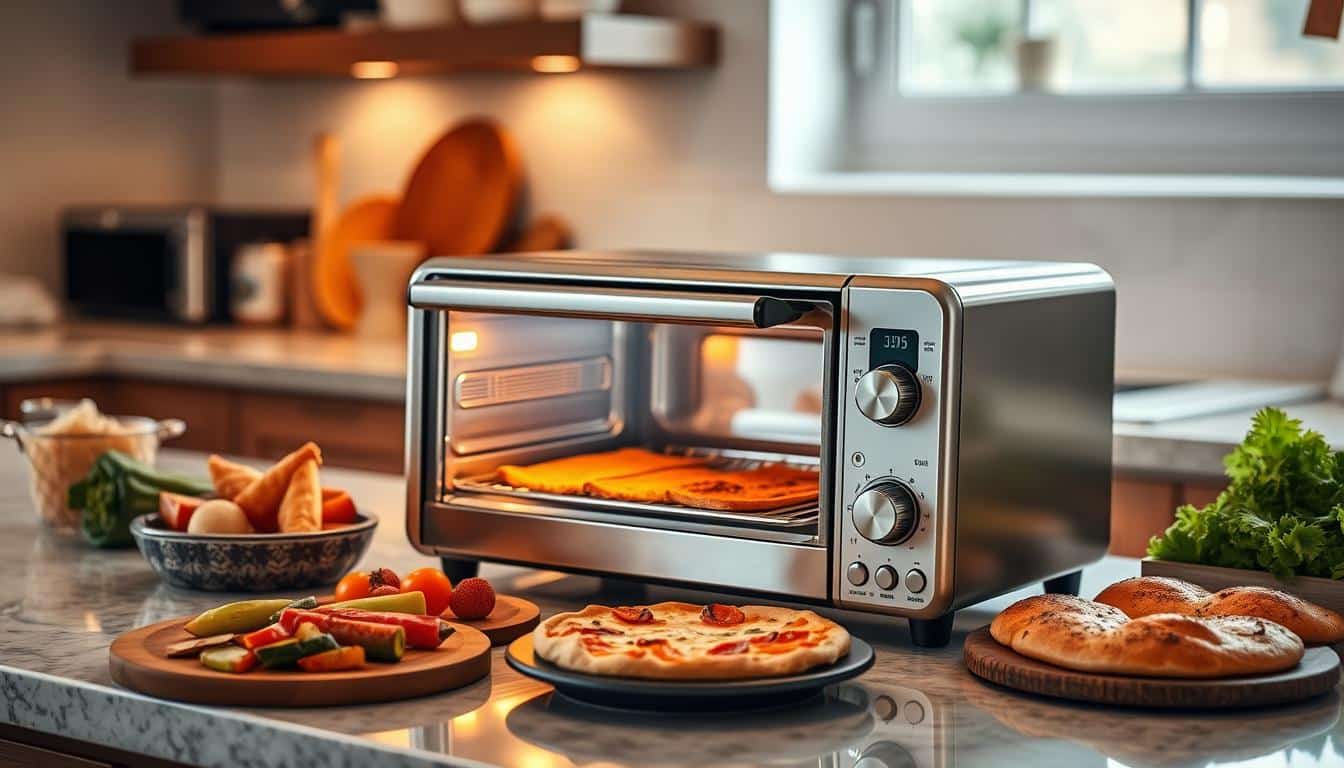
<point>888,466</point>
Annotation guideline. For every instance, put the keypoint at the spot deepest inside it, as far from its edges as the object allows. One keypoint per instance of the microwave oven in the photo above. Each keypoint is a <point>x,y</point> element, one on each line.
<point>162,263</point>
<point>958,414</point>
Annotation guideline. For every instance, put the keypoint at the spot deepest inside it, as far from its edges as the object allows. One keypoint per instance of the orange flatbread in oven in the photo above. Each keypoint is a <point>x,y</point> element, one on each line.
<point>572,473</point>
<point>680,641</point>
<point>651,487</point>
<point>767,487</point>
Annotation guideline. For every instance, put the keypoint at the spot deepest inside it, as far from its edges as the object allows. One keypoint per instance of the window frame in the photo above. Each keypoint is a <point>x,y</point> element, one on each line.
<point>788,175</point>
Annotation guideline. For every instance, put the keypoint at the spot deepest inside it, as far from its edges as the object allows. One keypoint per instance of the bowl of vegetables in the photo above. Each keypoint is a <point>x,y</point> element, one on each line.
<point>252,562</point>
<point>1279,523</point>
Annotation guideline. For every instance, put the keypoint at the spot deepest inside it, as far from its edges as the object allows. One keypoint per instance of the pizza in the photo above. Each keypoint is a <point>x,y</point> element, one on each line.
<point>680,641</point>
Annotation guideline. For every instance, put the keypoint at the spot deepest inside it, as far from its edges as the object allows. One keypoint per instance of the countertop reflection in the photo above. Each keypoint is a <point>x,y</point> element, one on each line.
<point>913,708</point>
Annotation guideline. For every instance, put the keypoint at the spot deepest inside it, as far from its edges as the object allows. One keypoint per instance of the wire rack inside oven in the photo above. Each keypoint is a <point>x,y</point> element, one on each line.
<point>789,517</point>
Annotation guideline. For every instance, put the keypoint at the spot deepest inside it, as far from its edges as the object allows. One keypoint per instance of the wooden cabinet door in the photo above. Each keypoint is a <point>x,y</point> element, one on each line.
<point>358,434</point>
<point>57,389</point>
<point>1140,509</point>
<point>208,411</point>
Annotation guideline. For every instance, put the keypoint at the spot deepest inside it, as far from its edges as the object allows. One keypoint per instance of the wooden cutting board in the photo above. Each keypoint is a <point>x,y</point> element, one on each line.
<point>463,192</point>
<point>1318,673</point>
<point>512,618</point>
<point>138,662</point>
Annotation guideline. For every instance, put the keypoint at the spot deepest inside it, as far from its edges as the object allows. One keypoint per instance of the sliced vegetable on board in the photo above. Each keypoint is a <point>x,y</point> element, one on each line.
<point>349,657</point>
<point>229,658</point>
<point>264,636</point>
<point>195,645</point>
<point>381,642</point>
<point>423,632</point>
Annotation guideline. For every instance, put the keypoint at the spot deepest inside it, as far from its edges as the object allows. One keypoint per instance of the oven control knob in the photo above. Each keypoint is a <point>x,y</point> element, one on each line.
<point>886,513</point>
<point>888,394</point>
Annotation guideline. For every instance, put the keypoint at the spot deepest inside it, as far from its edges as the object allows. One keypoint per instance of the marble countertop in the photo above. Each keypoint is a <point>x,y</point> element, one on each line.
<point>915,707</point>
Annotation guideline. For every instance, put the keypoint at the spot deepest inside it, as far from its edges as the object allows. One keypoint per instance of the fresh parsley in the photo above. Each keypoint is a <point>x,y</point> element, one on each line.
<point>1282,511</point>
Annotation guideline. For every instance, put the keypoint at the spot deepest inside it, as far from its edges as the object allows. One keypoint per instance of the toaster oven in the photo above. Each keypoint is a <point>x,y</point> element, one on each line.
<point>957,413</point>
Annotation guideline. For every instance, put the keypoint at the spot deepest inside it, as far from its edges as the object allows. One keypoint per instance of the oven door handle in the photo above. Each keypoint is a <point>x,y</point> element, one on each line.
<point>686,307</point>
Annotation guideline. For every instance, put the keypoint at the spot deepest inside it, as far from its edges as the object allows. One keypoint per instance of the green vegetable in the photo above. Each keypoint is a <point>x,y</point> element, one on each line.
<point>287,653</point>
<point>402,602</point>
<point>242,616</point>
<point>1282,512</point>
<point>119,488</point>
<point>303,603</point>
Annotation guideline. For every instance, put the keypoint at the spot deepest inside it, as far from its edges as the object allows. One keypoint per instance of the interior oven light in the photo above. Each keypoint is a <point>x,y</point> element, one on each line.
<point>463,341</point>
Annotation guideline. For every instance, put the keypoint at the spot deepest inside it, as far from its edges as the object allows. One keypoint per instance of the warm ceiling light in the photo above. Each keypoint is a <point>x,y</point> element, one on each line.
<point>374,70</point>
<point>553,64</point>
<point>463,341</point>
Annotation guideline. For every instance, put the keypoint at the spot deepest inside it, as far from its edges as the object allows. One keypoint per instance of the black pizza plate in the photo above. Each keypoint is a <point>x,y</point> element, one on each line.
<point>689,695</point>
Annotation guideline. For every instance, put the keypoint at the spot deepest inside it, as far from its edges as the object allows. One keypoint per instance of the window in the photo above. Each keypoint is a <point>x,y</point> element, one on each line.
<point>1185,97</point>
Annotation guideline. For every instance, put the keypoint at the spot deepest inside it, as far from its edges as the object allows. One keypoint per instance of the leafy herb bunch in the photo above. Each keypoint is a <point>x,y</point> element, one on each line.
<point>1282,512</point>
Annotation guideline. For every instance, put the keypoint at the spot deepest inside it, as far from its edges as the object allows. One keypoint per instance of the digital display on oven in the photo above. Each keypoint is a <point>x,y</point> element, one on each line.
<point>893,345</point>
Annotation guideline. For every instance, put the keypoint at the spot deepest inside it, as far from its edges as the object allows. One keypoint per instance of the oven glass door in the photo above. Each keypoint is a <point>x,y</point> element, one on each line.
<point>737,386</point>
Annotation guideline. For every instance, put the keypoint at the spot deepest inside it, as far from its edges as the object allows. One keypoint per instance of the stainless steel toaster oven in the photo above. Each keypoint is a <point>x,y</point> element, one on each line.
<point>958,414</point>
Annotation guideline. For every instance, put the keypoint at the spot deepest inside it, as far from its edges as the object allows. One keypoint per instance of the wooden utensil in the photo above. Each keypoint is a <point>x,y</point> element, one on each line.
<point>547,232</point>
<point>1316,674</point>
<point>138,661</point>
<point>326,159</point>
<point>512,618</point>
<point>462,193</point>
<point>336,290</point>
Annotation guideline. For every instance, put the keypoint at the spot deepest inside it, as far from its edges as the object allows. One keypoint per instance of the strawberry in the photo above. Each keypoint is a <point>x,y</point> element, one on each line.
<point>472,599</point>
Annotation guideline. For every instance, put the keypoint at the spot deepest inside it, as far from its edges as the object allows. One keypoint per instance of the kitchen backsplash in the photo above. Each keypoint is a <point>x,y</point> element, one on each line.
<point>1243,287</point>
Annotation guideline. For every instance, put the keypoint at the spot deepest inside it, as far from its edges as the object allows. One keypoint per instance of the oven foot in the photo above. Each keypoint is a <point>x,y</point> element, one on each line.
<point>932,633</point>
<point>457,570</point>
<point>1068,584</point>
<point>624,590</point>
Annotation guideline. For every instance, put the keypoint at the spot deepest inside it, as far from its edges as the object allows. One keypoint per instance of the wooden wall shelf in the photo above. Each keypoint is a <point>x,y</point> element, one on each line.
<point>598,41</point>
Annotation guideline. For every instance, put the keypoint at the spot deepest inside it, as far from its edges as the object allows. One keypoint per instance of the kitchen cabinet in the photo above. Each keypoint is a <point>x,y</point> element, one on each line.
<point>353,433</point>
<point>22,747</point>
<point>1143,507</point>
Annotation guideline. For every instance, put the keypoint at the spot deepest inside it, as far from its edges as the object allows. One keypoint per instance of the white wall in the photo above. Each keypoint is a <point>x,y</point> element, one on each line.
<point>678,161</point>
<point>75,127</point>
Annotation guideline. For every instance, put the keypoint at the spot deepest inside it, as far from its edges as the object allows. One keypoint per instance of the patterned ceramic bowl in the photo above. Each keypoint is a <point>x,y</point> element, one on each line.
<point>252,562</point>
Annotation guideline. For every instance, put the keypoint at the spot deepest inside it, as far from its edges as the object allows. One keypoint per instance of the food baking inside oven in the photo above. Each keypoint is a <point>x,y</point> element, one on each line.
<point>521,390</point>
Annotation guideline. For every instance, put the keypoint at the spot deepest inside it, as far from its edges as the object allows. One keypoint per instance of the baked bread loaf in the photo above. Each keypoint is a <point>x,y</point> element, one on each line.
<point>1088,636</point>
<point>572,473</point>
<point>1146,595</point>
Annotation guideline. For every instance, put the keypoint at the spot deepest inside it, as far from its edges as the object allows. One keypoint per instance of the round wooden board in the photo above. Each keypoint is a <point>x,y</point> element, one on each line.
<point>1317,674</point>
<point>462,193</point>
<point>137,661</point>
<point>512,618</point>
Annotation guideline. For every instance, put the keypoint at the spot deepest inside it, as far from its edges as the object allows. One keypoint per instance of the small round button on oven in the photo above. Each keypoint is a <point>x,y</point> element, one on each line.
<point>885,577</point>
<point>857,573</point>
<point>915,581</point>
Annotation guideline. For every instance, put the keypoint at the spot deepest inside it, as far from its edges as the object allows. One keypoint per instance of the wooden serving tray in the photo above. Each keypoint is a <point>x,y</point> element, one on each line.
<point>512,618</point>
<point>1317,674</point>
<point>137,661</point>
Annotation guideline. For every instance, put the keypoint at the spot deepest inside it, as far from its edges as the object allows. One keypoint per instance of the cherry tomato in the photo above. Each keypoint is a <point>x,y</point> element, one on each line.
<point>435,586</point>
<point>354,586</point>
<point>357,584</point>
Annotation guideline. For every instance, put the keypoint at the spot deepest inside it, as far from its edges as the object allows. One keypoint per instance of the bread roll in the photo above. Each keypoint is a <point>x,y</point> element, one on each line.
<point>1146,595</point>
<point>1087,636</point>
